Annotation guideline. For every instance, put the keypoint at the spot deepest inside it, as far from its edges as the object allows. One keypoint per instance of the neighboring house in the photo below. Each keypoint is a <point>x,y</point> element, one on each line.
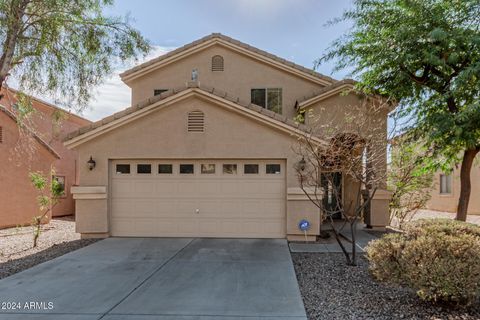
<point>205,150</point>
<point>446,190</point>
<point>48,126</point>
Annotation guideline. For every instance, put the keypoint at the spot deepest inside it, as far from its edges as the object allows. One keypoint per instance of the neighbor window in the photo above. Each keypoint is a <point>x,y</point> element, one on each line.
<point>144,168</point>
<point>273,169</point>
<point>208,168</point>
<point>165,168</point>
<point>60,183</point>
<point>186,169</point>
<point>230,169</point>
<point>250,168</point>
<point>122,168</point>
<point>270,98</point>
<point>158,92</point>
<point>445,184</point>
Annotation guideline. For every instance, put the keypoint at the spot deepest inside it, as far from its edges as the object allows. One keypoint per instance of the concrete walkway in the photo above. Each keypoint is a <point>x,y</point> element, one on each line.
<point>330,245</point>
<point>149,278</point>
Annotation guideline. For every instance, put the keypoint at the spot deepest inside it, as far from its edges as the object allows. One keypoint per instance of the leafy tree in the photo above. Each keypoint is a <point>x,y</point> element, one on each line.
<point>426,55</point>
<point>49,196</point>
<point>63,47</point>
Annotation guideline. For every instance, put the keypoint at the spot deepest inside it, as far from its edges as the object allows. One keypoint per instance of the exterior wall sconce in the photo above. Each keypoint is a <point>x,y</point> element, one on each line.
<point>91,163</point>
<point>302,164</point>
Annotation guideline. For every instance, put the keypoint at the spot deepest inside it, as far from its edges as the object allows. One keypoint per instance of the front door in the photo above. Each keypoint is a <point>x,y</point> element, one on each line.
<point>332,194</point>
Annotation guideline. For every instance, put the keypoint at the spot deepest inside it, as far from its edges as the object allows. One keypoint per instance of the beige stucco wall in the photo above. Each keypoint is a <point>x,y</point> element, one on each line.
<point>19,155</point>
<point>229,135</point>
<point>449,202</point>
<point>241,74</point>
<point>337,114</point>
<point>163,135</point>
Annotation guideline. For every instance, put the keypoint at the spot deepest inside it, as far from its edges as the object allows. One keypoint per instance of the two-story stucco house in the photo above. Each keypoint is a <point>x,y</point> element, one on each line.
<point>205,150</point>
<point>35,146</point>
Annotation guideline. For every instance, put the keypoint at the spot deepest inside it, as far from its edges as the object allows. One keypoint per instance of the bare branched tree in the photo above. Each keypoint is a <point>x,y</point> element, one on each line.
<point>410,183</point>
<point>341,175</point>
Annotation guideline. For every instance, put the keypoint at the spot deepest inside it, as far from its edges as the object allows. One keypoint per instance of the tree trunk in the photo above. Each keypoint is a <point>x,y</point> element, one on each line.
<point>9,45</point>
<point>465,184</point>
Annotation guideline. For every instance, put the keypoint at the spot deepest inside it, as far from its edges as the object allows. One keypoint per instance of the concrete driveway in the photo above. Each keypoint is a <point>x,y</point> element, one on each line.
<point>153,278</point>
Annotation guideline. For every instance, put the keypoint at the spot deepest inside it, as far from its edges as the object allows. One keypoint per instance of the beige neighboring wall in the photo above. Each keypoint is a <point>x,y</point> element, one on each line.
<point>163,135</point>
<point>241,74</point>
<point>18,197</point>
<point>42,124</point>
<point>449,202</point>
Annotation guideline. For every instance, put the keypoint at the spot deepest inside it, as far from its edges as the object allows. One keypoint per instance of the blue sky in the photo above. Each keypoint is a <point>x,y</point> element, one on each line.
<point>292,29</point>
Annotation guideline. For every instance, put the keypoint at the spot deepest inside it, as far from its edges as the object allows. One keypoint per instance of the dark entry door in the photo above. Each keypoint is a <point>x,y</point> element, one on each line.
<point>332,193</point>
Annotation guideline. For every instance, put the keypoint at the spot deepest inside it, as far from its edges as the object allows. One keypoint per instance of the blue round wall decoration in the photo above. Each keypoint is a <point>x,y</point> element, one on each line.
<point>304,225</point>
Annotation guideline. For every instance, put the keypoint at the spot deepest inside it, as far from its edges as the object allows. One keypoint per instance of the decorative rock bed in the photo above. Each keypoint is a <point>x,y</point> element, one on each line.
<point>57,238</point>
<point>333,290</point>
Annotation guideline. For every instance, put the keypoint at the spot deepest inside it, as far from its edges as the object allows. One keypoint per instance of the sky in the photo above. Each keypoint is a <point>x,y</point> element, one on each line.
<point>292,29</point>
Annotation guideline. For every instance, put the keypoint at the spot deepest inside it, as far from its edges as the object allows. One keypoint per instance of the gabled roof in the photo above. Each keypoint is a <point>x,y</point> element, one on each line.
<point>30,131</point>
<point>169,97</point>
<point>328,91</point>
<point>218,38</point>
<point>48,105</point>
<point>343,86</point>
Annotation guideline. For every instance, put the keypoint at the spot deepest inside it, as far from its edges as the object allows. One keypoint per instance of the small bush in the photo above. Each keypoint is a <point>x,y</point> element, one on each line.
<point>438,258</point>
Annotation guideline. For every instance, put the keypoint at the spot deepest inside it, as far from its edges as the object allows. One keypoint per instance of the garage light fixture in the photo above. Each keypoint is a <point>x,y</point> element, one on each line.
<point>91,163</point>
<point>302,164</point>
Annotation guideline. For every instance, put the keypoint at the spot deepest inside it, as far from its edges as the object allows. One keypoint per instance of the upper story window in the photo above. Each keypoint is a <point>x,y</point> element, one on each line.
<point>445,184</point>
<point>269,98</point>
<point>217,63</point>
<point>157,92</point>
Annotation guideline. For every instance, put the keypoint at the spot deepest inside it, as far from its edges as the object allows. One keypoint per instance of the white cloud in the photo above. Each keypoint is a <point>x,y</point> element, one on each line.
<point>114,95</point>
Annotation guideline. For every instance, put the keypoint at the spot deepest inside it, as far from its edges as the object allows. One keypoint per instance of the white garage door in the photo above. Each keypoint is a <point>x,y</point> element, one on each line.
<point>198,198</point>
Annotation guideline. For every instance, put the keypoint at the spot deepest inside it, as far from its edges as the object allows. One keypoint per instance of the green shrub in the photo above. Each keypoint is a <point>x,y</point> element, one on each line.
<point>438,258</point>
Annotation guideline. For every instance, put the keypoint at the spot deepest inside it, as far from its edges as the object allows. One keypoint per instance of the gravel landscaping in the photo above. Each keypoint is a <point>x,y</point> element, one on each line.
<point>333,290</point>
<point>57,238</point>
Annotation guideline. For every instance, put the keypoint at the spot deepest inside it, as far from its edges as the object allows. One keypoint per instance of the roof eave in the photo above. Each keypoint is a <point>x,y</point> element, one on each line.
<point>201,44</point>
<point>112,122</point>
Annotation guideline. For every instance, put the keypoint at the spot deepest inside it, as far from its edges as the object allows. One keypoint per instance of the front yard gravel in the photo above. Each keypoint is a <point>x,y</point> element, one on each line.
<point>57,238</point>
<point>333,290</point>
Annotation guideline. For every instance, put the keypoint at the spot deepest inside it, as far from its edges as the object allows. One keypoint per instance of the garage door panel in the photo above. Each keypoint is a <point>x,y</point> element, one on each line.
<point>144,188</point>
<point>186,188</point>
<point>165,188</point>
<point>230,205</point>
<point>121,188</point>
<point>165,207</point>
<point>144,207</point>
<point>272,188</point>
<point>252,188</point>
<point>207,188</point>
<point>230,188</point>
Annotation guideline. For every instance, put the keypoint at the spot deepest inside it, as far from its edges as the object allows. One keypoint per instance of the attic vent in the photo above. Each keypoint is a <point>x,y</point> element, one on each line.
<point>1,134</point>
<point>196,121</point>
<point>217,63</point>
